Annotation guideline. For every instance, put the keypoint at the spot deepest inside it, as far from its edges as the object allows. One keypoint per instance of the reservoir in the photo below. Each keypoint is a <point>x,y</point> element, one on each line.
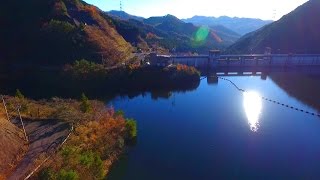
<point>216,131</point>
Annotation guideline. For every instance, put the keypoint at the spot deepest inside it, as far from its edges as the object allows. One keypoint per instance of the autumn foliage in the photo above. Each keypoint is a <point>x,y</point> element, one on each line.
<point>99,137</point>
<point>93,147</point>
<point>151,36</point>
<point>57,32</point>
<point>183,72</point>
<point>186,69</point>
<point>91,9</point>
<point>59,9</point>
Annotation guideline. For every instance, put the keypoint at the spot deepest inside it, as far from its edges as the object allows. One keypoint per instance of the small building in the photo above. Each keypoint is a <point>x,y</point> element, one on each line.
<point>214,54</point>
<point>159,60</point>
<point>267,51</point>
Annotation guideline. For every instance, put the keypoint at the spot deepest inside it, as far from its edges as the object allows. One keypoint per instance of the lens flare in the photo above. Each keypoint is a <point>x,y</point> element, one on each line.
<point>201,35</point>
<point>252,104</point>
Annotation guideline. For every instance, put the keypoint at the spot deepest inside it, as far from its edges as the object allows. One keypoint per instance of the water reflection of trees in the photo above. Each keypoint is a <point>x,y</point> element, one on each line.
<point>212,80</point>
<point>304,87</point>
<point>41,85</point>
<point>161,94</point>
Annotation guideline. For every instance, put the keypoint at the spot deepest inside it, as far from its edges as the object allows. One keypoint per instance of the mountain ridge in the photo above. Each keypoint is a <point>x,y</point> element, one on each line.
<point>241,26</point>
<point>173,34</point>
<point>296,32</point>
<point>124,15</point>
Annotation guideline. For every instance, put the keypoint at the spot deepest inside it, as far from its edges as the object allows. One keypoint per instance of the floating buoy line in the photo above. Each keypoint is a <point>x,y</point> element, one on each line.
<point>270,100</point>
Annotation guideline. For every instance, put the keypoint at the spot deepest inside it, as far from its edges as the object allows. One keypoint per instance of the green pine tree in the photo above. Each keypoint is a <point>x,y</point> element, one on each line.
<point>85,104</point>
<point>19,94</point>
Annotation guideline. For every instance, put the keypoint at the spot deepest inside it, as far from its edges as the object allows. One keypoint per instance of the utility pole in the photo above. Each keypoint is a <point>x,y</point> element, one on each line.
<point>274,14</point>
<point>24,130</point>
<point>5,108</point>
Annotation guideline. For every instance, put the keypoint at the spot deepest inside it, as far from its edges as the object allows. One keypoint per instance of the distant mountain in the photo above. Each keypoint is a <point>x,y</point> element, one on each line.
<point>171,23</point>
<point>296,32</point>
<point>239,25</point>
<point>224,30</point>
<point>124,15</point>
<point>56,32</point>
<point>225,33</point>
<point>169,32</point>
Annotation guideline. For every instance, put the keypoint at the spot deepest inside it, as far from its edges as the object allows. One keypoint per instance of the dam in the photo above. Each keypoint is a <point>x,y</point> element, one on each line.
<point>215,60</point>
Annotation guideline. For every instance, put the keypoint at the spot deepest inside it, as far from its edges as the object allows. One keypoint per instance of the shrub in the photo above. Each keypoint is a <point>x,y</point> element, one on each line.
<point>83,69</point>
<point>19,95</point>
<point>78,159</point>
<point>121,143</point>
<point>47,174</point>
<point>67,175</point>
<point>56,26</point>
<point>85,66</point>
<point>131,127</point>
<point>98,168</point>
<point>22,102</point>
<point>67,151</point>
<point>87,158</point>
<point>85,105</point>
<point>93,161</point>
<point>119,113</point>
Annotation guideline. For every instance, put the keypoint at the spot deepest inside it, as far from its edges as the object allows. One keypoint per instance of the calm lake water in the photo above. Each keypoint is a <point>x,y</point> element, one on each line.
<point>218,132</point>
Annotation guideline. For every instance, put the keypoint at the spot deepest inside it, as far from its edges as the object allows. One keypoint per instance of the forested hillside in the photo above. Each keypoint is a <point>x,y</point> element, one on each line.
<point>296,32</point>
<point>56,32</point>
<point>170,33</point>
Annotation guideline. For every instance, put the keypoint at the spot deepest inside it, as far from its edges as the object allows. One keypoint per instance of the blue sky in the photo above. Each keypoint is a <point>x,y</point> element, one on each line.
<point>263,9</point>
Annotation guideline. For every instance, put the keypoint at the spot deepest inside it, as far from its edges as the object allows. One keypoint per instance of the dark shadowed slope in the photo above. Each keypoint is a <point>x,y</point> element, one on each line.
<point>296,32</point>
<point>55,32</point>
<point>300,86</point>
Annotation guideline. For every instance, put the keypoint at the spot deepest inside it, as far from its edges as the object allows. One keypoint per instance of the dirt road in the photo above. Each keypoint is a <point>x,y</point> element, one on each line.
<point>44,136</point>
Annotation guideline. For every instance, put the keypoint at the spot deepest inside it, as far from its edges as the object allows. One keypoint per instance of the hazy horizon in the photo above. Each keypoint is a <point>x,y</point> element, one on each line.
<point>262,9</point>
<point>189,17</point>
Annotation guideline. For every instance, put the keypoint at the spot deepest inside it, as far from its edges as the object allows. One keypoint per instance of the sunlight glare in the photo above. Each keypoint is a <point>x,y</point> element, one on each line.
<point>252,104</point>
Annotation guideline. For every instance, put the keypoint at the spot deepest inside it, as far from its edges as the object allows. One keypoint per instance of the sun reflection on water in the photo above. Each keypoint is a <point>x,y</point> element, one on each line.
<point>252,104</point>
